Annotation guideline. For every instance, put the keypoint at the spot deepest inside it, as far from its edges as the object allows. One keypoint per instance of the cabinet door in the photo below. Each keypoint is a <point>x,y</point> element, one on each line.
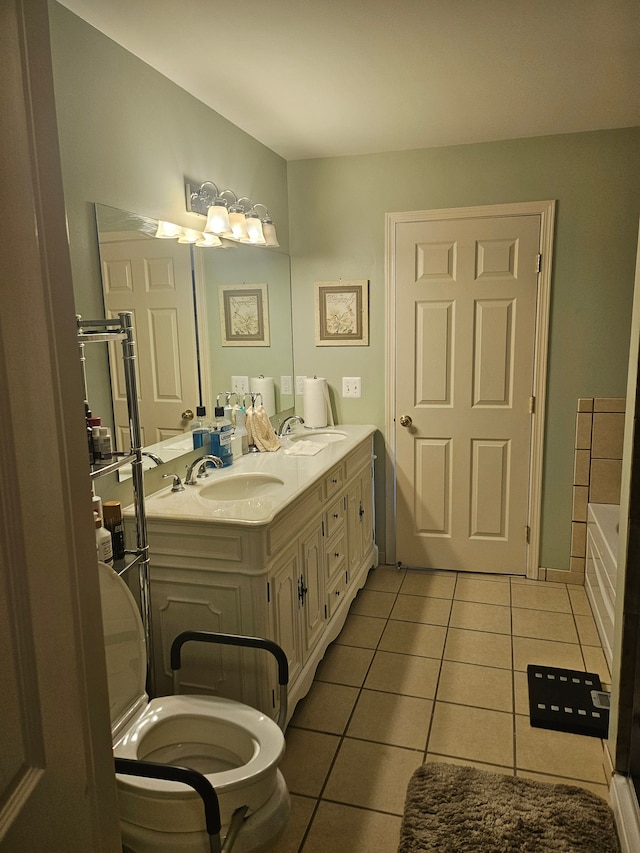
<point>354,526</point>
<point>365,511</point>
<point>285,606</point>
<point>311,559</point>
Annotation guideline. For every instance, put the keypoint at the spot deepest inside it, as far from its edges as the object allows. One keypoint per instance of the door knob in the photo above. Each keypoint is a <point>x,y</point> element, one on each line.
<point>405,420</point>
<point>187,415</point>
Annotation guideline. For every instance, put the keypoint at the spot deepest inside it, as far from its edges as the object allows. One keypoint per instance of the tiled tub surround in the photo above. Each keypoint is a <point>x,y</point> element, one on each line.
<point>597,472</point>
<point>431,666</point>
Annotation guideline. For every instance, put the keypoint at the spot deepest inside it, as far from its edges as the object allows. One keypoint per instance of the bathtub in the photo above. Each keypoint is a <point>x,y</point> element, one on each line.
<point>601,569</point>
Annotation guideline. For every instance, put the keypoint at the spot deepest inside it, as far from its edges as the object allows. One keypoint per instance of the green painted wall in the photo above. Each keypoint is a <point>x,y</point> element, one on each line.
<point>337,208</point>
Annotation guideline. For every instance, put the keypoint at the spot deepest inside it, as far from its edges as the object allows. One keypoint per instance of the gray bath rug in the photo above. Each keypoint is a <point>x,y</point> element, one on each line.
<point>451,809</point>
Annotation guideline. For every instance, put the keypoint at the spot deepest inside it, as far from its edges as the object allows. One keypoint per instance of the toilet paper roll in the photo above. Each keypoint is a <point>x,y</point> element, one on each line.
<point>317,405</point>
<point>264,386</point>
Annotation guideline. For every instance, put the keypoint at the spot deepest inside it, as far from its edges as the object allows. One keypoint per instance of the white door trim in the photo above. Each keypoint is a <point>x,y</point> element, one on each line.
<point>546,211</point>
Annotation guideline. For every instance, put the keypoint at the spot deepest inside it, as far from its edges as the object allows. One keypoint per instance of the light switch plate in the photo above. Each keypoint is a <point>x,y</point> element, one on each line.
<point>240,384</point>
<point>351,386</point>
<point>286,385</point>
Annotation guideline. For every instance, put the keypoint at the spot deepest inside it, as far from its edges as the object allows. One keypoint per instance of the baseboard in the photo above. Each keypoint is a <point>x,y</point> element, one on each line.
<point>626,811</point>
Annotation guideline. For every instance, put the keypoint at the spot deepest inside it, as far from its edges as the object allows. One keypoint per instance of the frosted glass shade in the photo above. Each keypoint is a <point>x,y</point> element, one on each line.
<point>254,229</point>
<point>218,220</point>
<point>269,231</point>
<point>238,226</point>
<point>209,240</point>
<point>189,235</point>
<point>167,230</point>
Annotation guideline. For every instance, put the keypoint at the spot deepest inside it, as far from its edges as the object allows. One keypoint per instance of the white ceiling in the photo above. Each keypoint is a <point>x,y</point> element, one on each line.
<point>314,78</point>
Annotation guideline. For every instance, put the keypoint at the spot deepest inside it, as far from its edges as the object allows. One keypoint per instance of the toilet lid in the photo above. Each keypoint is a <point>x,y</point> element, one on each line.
<point>124,645</point>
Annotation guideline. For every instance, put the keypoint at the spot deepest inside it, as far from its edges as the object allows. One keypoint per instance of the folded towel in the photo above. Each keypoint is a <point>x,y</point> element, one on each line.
<point>248,419</point>
<point>261,430</point>
<point>305,448</point>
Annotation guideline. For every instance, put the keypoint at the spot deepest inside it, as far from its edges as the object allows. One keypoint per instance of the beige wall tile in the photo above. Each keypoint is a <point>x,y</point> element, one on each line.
<point>583,430</point>
<point>580,498</point>
<point>582,463</point>
<point>605,481</point>
<point>609,404</point>
<point>607,436</point>
<point>578,539</point>
<point>585,404</point>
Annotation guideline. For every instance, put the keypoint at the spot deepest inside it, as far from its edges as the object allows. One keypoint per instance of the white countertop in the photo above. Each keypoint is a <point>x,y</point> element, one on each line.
<point>296,472</point>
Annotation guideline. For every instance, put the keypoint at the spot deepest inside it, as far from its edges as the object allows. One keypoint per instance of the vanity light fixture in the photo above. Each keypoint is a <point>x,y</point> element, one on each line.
<point>189,235</point>
<point>231,217</point>
<point>208,240</point>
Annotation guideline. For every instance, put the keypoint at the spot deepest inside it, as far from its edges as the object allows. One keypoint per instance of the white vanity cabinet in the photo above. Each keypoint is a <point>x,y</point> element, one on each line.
<point>291,580</point>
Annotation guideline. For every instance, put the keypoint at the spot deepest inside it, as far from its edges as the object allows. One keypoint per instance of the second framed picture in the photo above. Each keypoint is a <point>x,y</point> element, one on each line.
<point>342,313</point>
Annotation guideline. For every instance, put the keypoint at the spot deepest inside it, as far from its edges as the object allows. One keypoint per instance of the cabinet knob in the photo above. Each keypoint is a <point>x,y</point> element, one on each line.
<point>334,481</point>
<point>187,415</point>
<point>337,592</point>
<point>335,515</point>
<point>336,554</point>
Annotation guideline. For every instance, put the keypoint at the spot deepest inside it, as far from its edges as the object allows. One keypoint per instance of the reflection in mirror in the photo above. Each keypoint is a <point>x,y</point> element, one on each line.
<point>206,320</point>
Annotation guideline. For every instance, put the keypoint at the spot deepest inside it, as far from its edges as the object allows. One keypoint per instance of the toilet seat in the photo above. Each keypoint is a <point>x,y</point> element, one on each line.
<point>236,747</point>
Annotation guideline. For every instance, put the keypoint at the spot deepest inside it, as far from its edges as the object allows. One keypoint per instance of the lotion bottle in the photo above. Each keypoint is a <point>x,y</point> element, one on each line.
<point>103,541</point>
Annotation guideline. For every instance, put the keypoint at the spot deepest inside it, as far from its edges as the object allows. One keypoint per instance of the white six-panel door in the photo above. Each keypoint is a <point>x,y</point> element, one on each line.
<point>152,279</point>
<point>465,344</point>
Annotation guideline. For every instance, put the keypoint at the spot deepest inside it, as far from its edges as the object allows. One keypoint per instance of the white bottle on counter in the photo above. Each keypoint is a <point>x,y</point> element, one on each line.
<point>104,546</point>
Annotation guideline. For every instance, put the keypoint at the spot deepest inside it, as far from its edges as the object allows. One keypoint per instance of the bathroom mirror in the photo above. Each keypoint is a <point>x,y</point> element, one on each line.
<point>191,346</point>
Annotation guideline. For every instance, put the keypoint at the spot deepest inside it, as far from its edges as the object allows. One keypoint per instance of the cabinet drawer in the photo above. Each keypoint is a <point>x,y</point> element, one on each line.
<point>336,555</point>
<point>335,594</point>
<point>334,481</point>
<point>336,515</point>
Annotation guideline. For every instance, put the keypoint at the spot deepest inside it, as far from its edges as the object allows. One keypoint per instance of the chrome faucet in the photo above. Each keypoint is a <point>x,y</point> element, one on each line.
<point>199,465</point>
<point>285,426</point>
<point>153,457</point>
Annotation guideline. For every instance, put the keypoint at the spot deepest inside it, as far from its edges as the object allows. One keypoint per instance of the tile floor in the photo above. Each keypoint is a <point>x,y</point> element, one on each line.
<point>431,666</point>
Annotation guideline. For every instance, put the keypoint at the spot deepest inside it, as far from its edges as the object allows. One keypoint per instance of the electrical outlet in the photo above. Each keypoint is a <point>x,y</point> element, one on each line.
<point>300,385</point>
<point>351,386</point>
<point>286,385</point>
<point>240,384</point>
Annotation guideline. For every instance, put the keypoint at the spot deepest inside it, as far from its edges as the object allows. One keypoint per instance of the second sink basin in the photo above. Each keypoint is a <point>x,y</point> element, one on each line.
<point>325,437</point>
<point>241,487</point>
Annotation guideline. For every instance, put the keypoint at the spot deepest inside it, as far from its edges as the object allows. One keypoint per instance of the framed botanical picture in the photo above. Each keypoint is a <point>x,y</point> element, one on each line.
<point>244,315</point>
<point>342,313</point>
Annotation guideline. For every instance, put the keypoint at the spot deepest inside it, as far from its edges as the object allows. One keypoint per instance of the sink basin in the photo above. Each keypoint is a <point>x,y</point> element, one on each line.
<point>326,437</point>
<point>241,487</point>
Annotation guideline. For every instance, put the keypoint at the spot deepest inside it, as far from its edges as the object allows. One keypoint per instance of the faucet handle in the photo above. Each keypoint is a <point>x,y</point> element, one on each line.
<point>177,482</point>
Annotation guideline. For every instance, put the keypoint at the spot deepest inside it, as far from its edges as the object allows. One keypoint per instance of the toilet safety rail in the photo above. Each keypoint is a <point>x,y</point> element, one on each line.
<point>195,780</point>
<point>237,640</point>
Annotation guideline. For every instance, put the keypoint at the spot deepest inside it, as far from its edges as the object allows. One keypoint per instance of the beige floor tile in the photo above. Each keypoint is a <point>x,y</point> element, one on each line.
<point>579,601</point>
<point>362,631</point>
<point>595,661</point>
<point>344,828</point>
<point>545,653</point>
<point>544,625</point>
<point>433,757</point>
<point>473,733</point>
<point>481,617</point>
<point>587,631</point>
<point>558,753</point>
<point>410,675</point>
<point>435,584</point>
<point>482,576</point>
<point>385,579</point>
<point>391,718</point>
<point>479,647</point>
<point>326,708</point>
<point>483,592</point>
<point>600,790</point>
<point>299,818</point>
<point>541,596</point>
<point>372,775</point>
<point>521,693</point>
<point>480,686</point>
<point>422,608</point>
<point>371,602</point>
<point>345,665</point>
<point>412,638</point>
<point>307,760</point>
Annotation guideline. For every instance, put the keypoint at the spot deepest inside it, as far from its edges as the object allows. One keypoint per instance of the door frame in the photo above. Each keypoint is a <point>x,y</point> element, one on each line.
<point>546,211</point>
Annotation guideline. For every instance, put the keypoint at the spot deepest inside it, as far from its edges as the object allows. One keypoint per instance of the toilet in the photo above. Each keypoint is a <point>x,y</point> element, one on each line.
<point>235,746</point>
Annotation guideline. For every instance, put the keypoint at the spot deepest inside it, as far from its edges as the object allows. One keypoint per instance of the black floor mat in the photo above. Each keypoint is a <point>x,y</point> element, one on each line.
<point>564,700</point>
